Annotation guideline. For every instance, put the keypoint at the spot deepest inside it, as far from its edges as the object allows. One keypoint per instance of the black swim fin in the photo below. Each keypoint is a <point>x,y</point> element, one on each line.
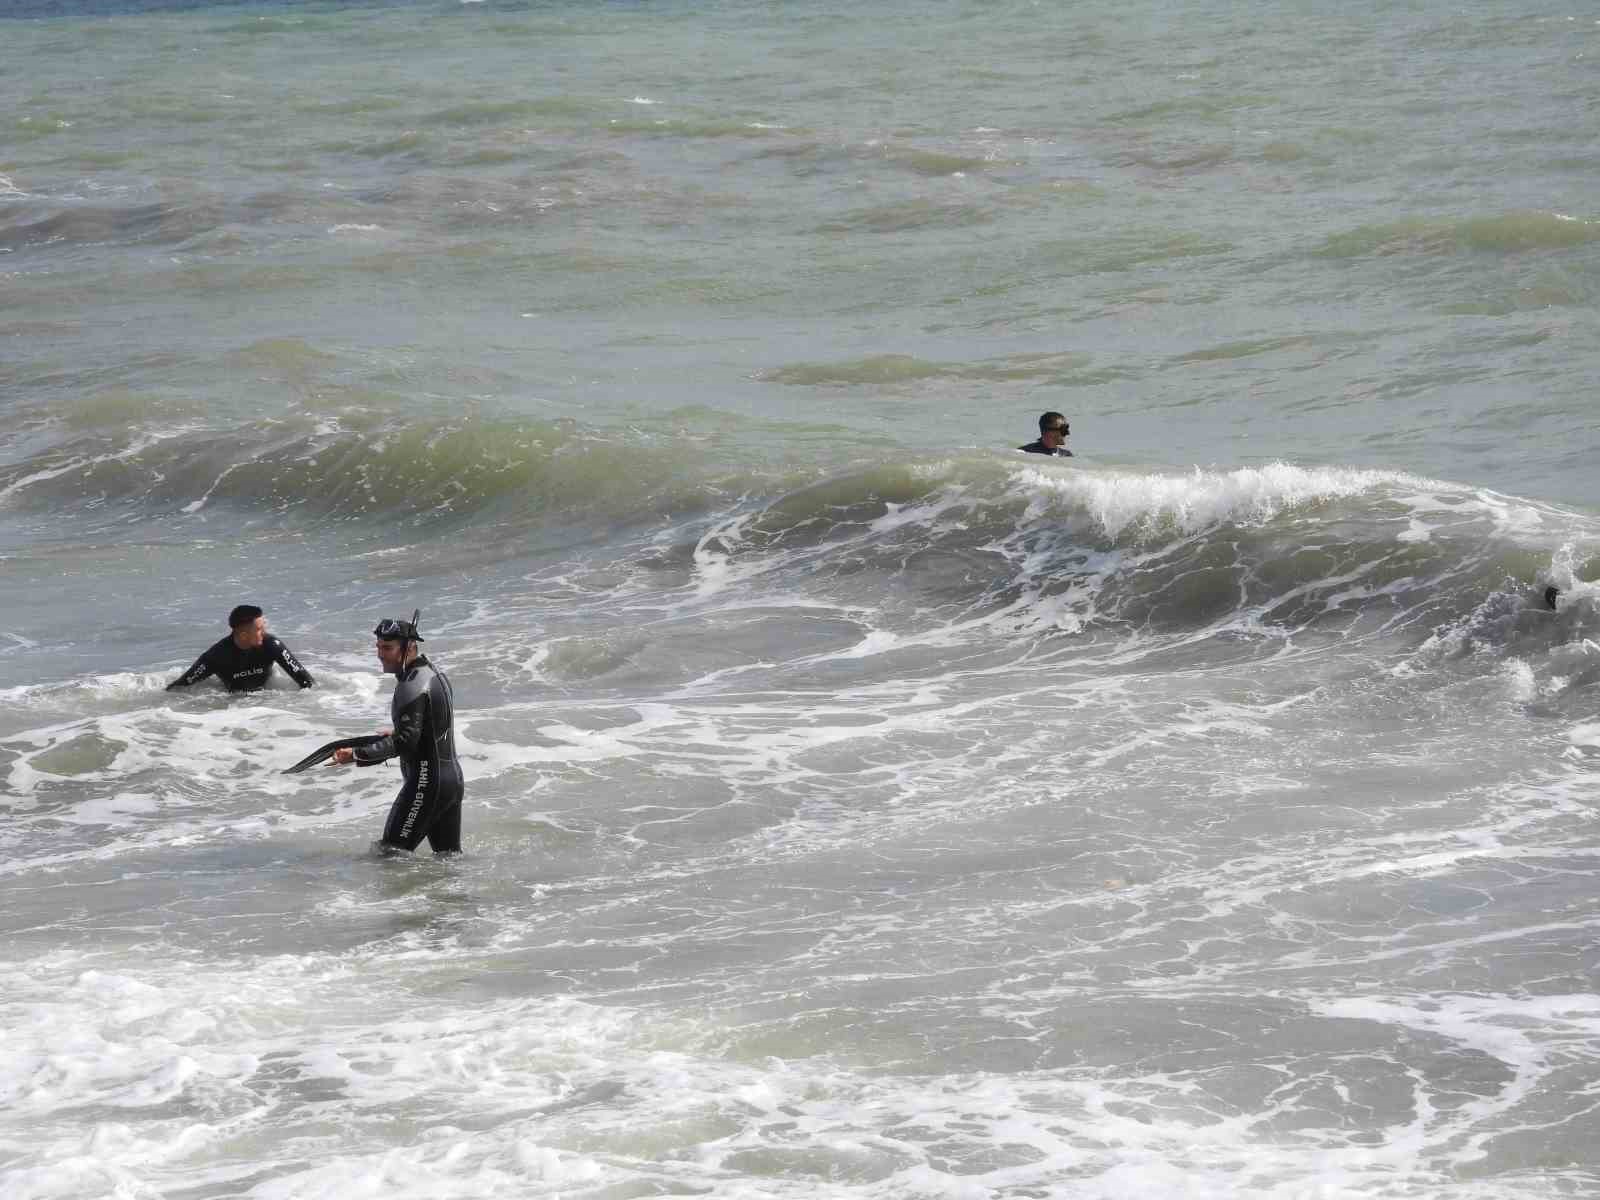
<point>325,752</point>
<point>1550,594</point>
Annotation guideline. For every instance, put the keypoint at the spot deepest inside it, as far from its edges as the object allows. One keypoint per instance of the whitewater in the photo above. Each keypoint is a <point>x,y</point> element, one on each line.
<point>857,808</point>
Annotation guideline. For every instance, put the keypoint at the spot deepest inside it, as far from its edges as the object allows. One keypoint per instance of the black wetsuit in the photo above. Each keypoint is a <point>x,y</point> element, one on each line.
<point>1040,448</point>
<point>244,670</point>
<point>429,803</point>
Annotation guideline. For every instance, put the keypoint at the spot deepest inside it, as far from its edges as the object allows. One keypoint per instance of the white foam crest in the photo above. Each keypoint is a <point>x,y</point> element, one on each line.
<point>111,1040</point>
<point>1521,683</point>
<point>1517,1030</point>
<point>195,506</point>
<point>51,473</point>
<point>199,1055</point>
<point>719,574</point>
<point>1121,501</point>
<point>1039,597</point>
<point>140,444</point>
<point>719,569</point>
<point>1585,737</point>
<point>95,691</point>
<point>229,1041</point>
<point>304,1068</point>
<point>876,641</point>
<point>18,642</point>
<point>713,558</point>
<point>1529,1036</point>
<point>193,731</point>
<point>192,770</point>
<point>1448,504</point>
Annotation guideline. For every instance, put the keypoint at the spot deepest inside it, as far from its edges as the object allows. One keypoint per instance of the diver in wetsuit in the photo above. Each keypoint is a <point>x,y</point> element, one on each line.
<point>1053,431</point>
<point>423,710</point>
<point>244,658</point>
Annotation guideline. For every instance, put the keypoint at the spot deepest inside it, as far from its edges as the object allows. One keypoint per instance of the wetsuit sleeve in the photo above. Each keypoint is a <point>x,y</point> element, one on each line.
<point>291,664</point>
<point>409,718</point>
<point>194,674</point>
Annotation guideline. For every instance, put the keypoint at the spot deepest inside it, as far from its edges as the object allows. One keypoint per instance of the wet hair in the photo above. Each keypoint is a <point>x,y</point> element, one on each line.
<point>243,615</point>
<point>1049,421</point>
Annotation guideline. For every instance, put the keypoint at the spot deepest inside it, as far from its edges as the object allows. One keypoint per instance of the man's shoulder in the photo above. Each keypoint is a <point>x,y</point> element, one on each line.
<point>416,680</point>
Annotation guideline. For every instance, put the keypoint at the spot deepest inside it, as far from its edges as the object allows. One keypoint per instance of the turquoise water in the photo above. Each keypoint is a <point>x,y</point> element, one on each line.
<point>856,807</point>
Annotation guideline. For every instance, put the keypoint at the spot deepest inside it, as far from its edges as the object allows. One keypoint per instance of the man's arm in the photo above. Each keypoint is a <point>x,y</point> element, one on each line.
<point>291,664</point>
<point>345,755</point>
<point>370,755</point>
<point>406,736</point>
<point>193,675</point>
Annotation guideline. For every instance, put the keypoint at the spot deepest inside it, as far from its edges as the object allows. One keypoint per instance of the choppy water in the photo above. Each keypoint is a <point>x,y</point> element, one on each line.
<point>856,808</point>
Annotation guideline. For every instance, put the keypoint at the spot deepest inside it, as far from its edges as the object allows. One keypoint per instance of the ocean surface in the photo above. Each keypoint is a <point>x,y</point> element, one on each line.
<point>856,807</point>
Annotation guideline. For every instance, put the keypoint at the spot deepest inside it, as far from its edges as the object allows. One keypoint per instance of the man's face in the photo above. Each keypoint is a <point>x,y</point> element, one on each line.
<point>251,634</point>
<point>390,654</point>
<point>1055,435</point>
